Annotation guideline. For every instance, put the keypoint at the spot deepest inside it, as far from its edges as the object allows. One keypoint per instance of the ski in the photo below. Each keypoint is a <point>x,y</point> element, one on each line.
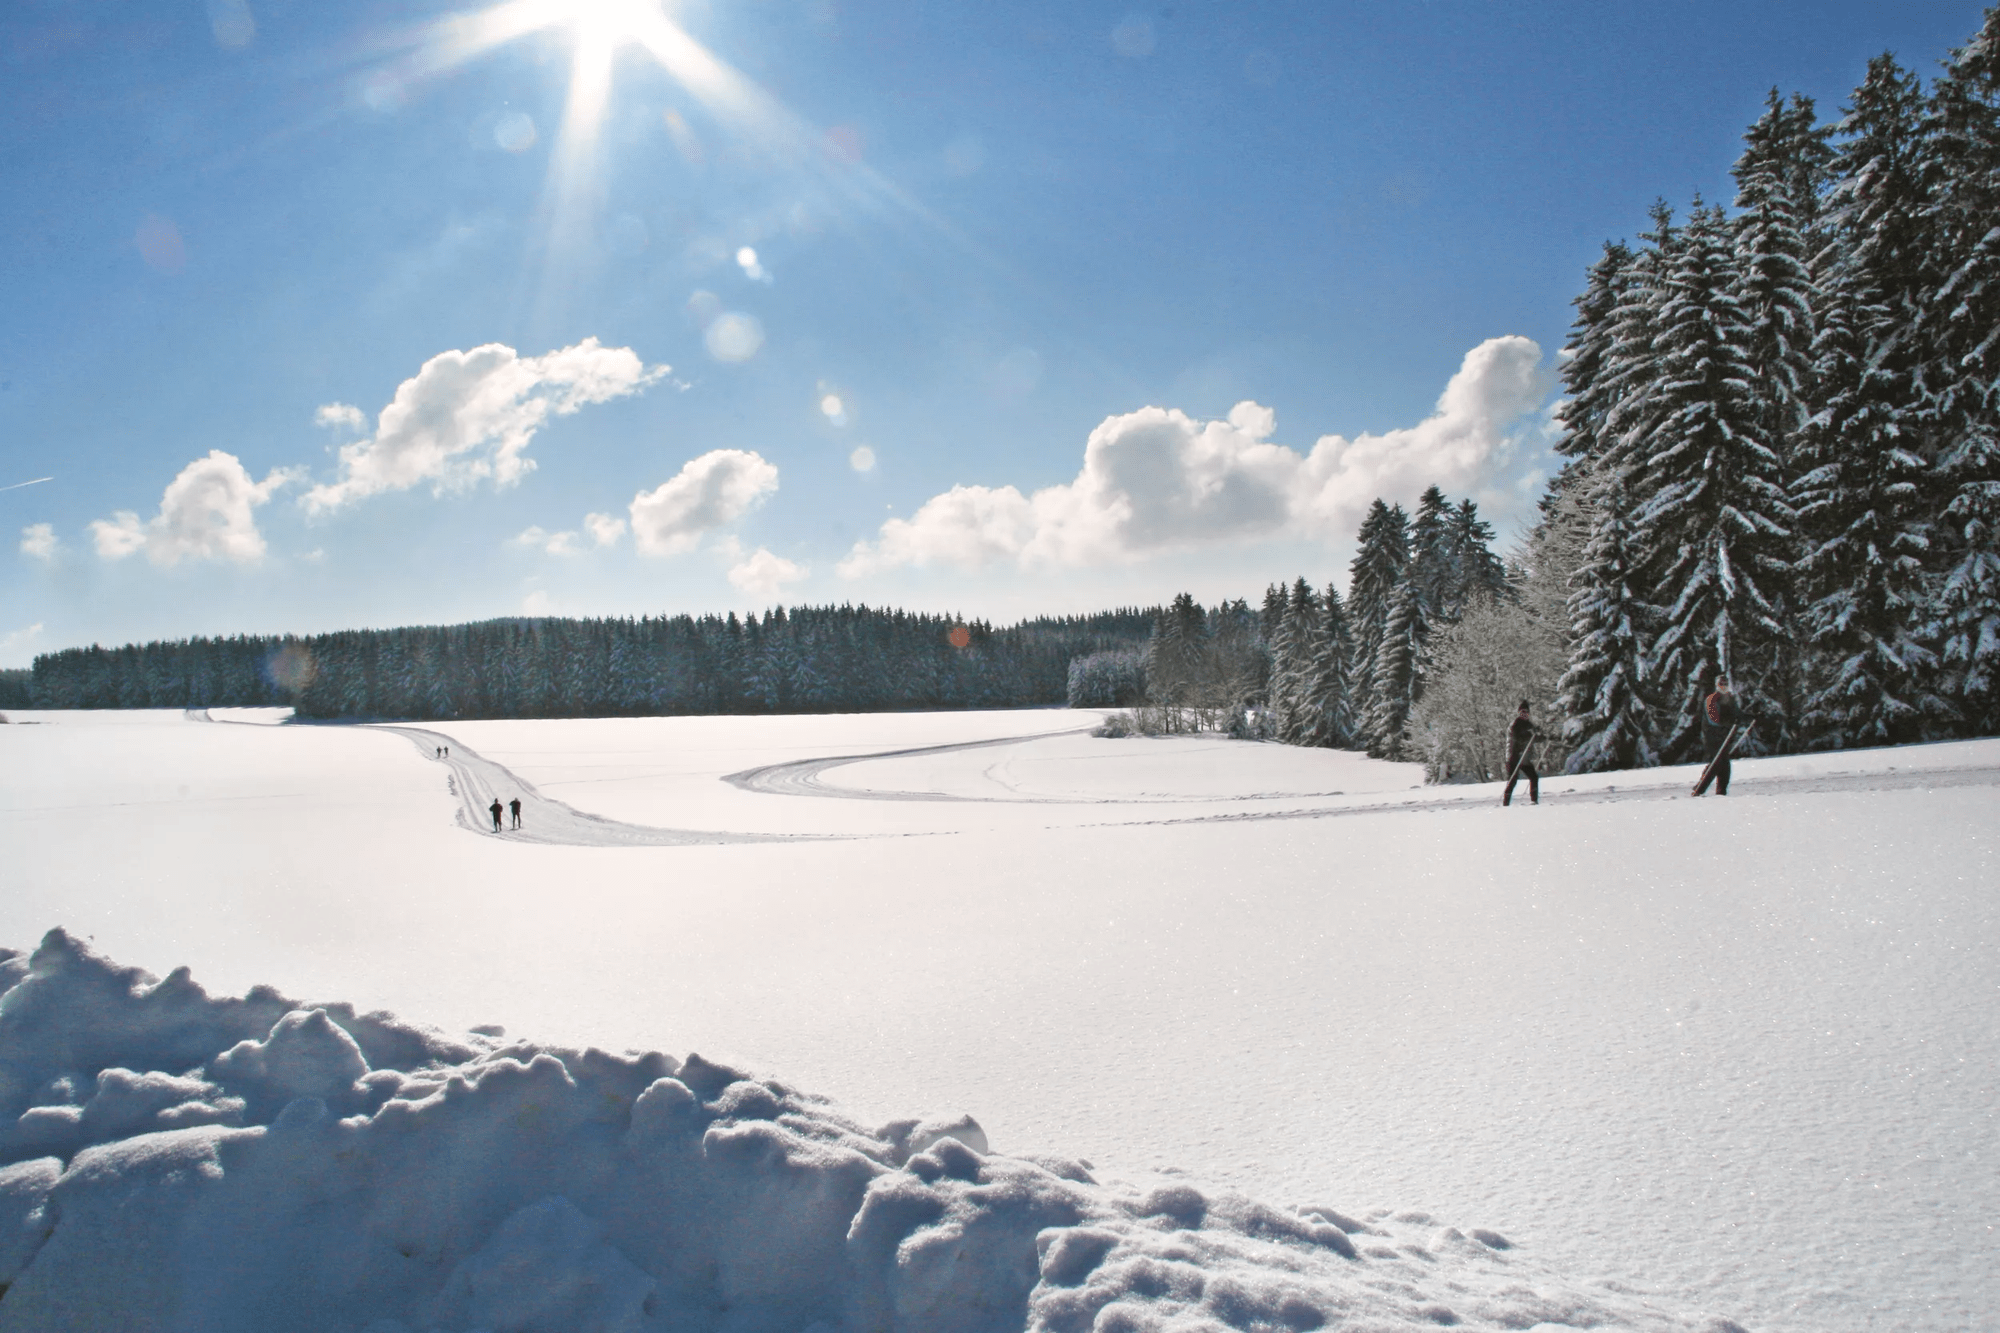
<point>1721,753</point>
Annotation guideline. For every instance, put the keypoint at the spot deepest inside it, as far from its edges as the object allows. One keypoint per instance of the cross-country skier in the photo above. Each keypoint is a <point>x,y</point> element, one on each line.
<point>495,808</point>
<point>1521,734</point>
<point>1719,715</point>
<point>515,807</point>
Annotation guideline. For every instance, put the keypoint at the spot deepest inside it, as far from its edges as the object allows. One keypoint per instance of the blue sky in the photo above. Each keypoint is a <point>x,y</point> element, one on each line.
<point>338,315</point>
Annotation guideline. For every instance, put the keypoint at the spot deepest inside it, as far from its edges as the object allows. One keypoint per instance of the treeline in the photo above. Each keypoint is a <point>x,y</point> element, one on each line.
<point>807,659</point>
<point>1317,668</point>
<point>16,688</point>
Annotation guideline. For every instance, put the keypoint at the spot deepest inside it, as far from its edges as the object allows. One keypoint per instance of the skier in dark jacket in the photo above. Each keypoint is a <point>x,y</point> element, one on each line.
<point>1520,735</point>
<point>496,808</point>
<point>1718,714</point>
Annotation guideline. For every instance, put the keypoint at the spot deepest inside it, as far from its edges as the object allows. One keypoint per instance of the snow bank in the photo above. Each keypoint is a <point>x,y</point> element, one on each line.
<point>173,1161</point>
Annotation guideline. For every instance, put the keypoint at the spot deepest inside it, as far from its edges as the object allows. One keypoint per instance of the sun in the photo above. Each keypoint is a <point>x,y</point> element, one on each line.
<point>611,22</point>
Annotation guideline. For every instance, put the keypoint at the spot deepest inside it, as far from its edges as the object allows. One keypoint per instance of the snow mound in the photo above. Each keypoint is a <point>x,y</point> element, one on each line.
<point>174,1161</point>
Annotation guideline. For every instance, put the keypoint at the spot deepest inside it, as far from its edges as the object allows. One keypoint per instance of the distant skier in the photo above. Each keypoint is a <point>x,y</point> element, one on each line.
<point>515,806</point>
<point>1520,735</point>
<point>495,807</point>
<point>1719,717</point>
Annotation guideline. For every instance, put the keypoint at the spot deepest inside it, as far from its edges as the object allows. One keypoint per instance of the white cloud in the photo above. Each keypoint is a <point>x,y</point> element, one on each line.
<point>341,416</point>
<point>541,539</point>
<point>471,415</point>
<point>604,529</point>
<point>537,603</point>
<point>762,574</point>
<point>1157,480</point>
<point>205,514</point>
<point>15,641</point>
<point>716,489</point>
<point>39,541</point>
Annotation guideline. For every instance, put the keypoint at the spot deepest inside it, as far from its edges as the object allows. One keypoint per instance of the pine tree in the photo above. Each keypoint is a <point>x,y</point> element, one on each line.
<point>1779,179</point>
<point>1291,665</point>
<point>1631,375</point>
<point>1714,521</point>
<point>1478,573</point>
<point>1861,513</point>
<point>1432,570</point>
<point>1397,665</point>
<point>1603,694</point>
<point>1383,550</point>
<point>1331,721</point>
<point>1962,372</point>
<point>1587,371</point>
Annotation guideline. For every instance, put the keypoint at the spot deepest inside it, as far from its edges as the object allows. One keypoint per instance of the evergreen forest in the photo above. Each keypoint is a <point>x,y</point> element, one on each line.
<point>808,659</point>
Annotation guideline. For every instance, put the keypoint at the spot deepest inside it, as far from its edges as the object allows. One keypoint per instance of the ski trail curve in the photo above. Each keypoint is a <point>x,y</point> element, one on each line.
<point>800,777</point>
<point>478,781</point>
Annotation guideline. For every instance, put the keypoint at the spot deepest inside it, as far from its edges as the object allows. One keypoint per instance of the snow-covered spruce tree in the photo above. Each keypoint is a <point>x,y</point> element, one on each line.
<point>1962,343</point>
<point>1632,372</point>
<point>1291,665</point>
<point>1608,718</point>
<point>1383,544</point>
<point>1714,520</point>
<point>1779,179</point>
<point>1175,665</point>
<point>1588,382</point>
<point>1397,675</point>
<point>1332,721</point>
<point>1272,617</point>
<point>1432,571</point>
<point>1479,575</point>
<point>1865,533</point>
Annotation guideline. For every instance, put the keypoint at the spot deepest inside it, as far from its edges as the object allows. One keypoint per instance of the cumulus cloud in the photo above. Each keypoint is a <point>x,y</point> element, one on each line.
<point>39,540</point>
<point>206,513</point>
<point>604,529</point>
<point>467,416</point>
<point>762,574</point>
<point>341,416</point>
<point>541,539</point>
<point>1157,480</point>
<point>709,492</point>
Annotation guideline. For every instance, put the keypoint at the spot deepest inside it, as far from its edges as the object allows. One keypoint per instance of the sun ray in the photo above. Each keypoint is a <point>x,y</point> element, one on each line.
<point>598,30</point>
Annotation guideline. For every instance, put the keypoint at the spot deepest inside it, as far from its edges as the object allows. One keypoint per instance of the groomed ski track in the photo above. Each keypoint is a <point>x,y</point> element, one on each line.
<point>801,776</point>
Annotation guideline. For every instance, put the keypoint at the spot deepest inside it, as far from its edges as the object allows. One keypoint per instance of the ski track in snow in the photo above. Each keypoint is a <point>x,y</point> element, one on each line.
<point>801,777</point>
<point>477,782</point>
<point>1925,779</point>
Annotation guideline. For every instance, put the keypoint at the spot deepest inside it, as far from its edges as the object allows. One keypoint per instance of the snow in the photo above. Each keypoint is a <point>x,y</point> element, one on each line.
<point>1728,1056</point>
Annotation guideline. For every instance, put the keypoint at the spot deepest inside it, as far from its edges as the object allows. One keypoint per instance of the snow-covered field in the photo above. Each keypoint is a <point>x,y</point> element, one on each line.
<point>1724,1056</point>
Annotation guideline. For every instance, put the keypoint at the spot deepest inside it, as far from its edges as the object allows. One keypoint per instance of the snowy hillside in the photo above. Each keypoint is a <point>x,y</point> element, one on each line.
<point>1727,1056</point>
